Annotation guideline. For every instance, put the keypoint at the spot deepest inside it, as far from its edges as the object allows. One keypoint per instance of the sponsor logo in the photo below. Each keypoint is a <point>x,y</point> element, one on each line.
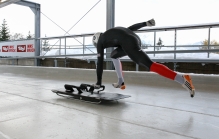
<point>30,48</point>
<point>21,48</point>
<point>5,48</point>
<point>11,48</point>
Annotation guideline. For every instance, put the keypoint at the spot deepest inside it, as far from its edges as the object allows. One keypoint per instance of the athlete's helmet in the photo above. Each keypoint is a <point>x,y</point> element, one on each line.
<point>96,38</point>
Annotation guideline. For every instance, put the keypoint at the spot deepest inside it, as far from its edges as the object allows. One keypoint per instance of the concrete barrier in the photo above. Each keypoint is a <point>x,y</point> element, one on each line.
<point>201,81</point>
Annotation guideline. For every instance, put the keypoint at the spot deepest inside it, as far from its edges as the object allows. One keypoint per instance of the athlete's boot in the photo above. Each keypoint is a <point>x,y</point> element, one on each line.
<point>188,85</point>
<point>117,85</point>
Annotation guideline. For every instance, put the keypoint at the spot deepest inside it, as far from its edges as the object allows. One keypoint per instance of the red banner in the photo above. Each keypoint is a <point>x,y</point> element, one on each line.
<point>11,48</point>
<point>30,48</point>
<point>21,48</point>
<point>4,48</point>
<point>17,48</point>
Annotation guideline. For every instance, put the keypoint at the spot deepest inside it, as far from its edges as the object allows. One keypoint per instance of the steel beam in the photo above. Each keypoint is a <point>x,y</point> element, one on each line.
<point>110,23</point>
<point>8,2</point>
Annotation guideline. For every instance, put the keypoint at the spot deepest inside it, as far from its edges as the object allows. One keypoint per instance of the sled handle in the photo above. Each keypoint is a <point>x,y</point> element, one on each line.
<point>70,88</point>
<point>91,89</point>
<point>103,88</point>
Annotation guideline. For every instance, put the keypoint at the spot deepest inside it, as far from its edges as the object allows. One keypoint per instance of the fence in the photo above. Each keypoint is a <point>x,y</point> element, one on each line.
<point>80,45</point>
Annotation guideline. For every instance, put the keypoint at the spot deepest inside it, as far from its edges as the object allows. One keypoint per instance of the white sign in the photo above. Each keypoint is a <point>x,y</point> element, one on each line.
<point>17,48</point>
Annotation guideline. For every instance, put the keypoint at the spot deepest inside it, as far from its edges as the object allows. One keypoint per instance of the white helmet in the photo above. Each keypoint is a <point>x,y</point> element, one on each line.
<point>96,38</point>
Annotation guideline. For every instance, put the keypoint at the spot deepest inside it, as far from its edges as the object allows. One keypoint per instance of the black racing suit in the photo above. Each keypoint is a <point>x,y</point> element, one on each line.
<point>127,43</point>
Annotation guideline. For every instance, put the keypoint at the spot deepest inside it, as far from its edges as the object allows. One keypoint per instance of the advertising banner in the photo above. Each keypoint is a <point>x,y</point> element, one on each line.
<point>17,48</point>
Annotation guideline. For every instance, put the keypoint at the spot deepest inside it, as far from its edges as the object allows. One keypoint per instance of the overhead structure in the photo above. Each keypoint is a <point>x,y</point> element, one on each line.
<point>110,23</point>
<point>35,7</point>
<point>7,2</point>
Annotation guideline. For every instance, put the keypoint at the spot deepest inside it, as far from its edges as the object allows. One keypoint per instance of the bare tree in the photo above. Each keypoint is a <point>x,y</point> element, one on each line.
<point>211,46</point>
<point>17,36</point>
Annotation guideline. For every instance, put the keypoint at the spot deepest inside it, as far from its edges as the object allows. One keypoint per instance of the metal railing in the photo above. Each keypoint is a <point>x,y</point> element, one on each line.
<point>83,42</point>
<point>82,45</point>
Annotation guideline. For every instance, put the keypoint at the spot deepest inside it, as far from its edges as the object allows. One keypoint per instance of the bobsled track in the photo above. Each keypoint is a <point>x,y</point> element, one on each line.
<point>157,109</point>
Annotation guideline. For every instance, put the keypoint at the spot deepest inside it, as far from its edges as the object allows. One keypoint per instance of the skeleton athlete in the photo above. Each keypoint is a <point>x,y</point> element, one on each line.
<point>127,43</point>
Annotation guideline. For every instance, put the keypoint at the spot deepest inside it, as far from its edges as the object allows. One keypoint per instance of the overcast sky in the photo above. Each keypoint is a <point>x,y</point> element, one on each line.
<point>66,13</point>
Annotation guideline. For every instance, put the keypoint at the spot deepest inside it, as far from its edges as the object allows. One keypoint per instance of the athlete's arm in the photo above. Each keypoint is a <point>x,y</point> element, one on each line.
<point>137,26</point>
<point>100,56</point>
<point>143,24</point>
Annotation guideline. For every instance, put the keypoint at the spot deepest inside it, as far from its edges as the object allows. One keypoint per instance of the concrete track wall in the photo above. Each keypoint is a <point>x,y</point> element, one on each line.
<point>201,82</point>
<point>200,68</point>
<point>21,62</point>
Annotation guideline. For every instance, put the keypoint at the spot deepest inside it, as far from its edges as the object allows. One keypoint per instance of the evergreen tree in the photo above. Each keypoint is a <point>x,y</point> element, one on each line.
<point>29,36</point>
<point>45,45</point>
<point>0,34</point>
<point>4,34</point>
<point>159,43</point>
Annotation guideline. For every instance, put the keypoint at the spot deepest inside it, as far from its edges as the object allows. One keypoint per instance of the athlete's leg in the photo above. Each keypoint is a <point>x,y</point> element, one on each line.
<point>141,58</point>
<point>184,80</point>
<point>118,53</point>
<point>115,55</point>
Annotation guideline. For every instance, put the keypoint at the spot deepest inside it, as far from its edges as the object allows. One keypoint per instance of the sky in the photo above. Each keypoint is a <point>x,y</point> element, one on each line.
<point>66,13</point>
